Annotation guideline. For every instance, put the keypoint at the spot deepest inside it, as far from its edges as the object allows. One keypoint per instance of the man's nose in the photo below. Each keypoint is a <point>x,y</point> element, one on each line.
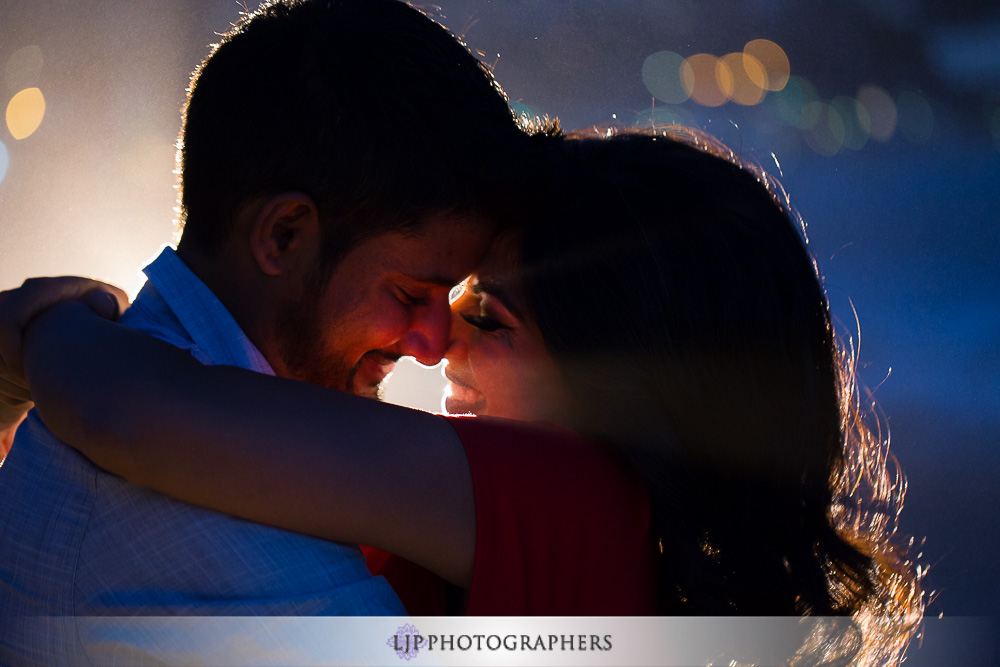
<point>429,333</point>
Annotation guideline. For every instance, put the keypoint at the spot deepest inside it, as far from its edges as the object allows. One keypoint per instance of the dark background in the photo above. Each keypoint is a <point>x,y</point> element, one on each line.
<point>904,229</point>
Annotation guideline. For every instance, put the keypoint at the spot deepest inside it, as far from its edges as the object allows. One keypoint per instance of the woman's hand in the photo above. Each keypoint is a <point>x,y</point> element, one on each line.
<point>18,307</point>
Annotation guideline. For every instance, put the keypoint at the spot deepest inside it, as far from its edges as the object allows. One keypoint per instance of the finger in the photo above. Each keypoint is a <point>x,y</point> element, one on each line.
<point>106,300</point>
<point>120,296</point>
<point>15,400</point>
<point>105,303</point>
<point>14,389</point>
<point>9,420</point>
<point>18,307</point>
<point>102,303</point>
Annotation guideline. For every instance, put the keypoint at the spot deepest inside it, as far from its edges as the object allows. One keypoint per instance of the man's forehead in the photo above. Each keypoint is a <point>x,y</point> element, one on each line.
<point>441,251</point>
<point>446,225</point>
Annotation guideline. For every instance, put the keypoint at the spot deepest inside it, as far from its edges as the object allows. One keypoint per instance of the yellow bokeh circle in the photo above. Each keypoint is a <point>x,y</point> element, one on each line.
<point>25,112</point>
<point>744,69</point>
<point>707,79</point>
<point>774,63</point>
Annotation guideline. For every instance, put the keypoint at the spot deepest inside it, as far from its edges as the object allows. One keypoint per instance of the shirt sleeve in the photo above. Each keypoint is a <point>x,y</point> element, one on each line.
<point>562,528</point>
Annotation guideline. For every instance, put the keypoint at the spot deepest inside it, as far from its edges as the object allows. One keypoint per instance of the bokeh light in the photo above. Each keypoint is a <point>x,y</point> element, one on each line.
<point>23,68</point>
<point>916,118</point>
<point>661,74</point>
<point>4,161</point>
<point>826,131</point>
<point>882,112</point>
<point>788,103</point>
<point>857,122</point>
<point>746,70</point>
<point>813,113</point>
<point>25,112</point>
<point>707,79</point>
<point>774,63</point>
<point>522,110</point>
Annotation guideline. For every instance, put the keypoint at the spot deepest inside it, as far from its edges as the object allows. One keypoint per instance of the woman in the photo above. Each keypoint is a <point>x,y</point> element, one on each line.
<point>660,302</point>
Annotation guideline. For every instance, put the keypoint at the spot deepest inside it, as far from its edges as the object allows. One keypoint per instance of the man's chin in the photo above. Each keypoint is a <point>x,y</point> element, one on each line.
<point>368,375</point>
<point>376,392</point>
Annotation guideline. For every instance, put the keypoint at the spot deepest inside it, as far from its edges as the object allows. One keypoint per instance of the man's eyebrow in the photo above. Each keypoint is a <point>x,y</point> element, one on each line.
<point>435,280</point>
<point>499,292</point>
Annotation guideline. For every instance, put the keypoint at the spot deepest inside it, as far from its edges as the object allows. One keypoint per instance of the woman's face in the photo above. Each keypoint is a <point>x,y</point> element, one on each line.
<point>498,364</point>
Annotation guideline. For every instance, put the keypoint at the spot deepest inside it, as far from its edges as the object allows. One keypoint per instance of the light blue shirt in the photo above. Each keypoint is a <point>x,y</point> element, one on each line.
<point>77,541</point>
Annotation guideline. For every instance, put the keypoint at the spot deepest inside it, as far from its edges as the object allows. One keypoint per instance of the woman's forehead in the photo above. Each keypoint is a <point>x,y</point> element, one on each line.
<point>501,263</point>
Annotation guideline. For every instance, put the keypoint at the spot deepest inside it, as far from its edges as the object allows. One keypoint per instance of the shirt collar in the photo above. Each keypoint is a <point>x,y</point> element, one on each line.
<point>210,326</point>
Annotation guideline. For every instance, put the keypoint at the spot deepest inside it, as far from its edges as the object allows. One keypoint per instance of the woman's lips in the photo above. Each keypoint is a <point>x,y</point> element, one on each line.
<point>461,399</point>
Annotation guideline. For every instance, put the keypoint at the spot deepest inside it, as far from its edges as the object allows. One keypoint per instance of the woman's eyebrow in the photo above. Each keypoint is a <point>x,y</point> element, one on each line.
<point>499,292</point>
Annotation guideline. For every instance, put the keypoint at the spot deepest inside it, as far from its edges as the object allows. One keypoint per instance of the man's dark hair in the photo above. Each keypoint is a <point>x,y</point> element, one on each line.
<point>375,111</point>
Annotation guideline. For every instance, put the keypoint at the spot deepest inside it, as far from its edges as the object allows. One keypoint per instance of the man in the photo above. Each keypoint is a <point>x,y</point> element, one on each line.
<point>332,194</point>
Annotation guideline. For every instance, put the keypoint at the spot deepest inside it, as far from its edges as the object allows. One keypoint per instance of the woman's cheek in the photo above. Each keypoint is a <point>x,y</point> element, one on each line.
<point>487,373</point>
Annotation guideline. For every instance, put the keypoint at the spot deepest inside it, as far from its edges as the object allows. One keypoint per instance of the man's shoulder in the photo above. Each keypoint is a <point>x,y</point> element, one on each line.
<point>150,314</point>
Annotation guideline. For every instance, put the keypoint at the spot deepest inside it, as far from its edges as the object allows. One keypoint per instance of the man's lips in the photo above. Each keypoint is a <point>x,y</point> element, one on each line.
<point>461,398</point>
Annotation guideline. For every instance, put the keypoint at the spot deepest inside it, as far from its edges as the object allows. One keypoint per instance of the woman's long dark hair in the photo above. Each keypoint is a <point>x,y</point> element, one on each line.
<point>673,286</point>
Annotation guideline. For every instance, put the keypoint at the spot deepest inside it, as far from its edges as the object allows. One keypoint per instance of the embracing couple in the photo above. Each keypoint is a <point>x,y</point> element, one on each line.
<point>664,419</point>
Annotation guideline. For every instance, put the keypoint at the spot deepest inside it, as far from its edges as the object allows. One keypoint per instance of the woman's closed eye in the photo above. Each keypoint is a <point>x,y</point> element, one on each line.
<point>485,323</point>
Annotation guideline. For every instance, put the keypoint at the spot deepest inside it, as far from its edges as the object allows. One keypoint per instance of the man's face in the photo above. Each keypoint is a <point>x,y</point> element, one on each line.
<point>387,298</point>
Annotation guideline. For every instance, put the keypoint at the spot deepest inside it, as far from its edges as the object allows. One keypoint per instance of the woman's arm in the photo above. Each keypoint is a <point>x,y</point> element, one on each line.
<point>19,307</point>
<point>285,453</point>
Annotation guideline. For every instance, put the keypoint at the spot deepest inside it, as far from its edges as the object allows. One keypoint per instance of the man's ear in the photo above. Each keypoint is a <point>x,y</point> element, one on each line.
<point>284,231</point>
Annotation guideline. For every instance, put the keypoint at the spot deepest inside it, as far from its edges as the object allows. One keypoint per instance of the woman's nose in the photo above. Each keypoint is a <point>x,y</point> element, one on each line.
<point>458,341</point>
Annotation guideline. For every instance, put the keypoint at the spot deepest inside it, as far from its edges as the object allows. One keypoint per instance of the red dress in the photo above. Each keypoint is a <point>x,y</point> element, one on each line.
<point>562,529</point>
